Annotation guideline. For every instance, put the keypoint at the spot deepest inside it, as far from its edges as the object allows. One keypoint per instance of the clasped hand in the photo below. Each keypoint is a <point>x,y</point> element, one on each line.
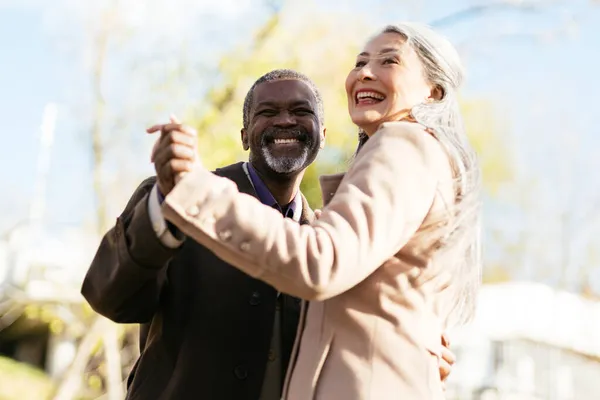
<point>174,153</point>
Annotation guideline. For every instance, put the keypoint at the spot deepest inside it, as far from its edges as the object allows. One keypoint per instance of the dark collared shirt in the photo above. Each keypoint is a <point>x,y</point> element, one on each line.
<point>265,196</point>
<point>263,193</point>
<point>273,381</point>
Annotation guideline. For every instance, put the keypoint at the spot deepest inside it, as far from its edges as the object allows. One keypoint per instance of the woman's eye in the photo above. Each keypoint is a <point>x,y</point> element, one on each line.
<point>360,64</point>
<point>390,61</point>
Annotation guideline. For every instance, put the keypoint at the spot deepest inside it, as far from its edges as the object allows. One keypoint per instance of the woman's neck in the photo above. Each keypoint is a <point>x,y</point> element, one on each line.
<point>374,127</point>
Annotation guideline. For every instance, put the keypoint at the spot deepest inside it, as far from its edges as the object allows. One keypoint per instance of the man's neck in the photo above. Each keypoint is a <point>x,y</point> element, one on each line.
<point>283,187</point>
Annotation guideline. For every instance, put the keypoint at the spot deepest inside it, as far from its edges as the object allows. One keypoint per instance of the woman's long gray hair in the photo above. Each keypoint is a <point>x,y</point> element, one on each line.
<point>462,239</point>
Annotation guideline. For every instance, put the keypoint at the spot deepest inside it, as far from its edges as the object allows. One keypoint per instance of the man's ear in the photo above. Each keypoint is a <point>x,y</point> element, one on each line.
<point>245,143</point>
<point>323,134</point>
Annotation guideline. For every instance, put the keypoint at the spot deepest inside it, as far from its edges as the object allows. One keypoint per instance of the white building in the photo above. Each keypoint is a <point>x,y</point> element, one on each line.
<point>43,271</point>
<point>528,341</point>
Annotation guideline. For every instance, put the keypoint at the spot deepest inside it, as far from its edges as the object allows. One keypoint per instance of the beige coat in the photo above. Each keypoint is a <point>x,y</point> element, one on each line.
<point>375,313</point>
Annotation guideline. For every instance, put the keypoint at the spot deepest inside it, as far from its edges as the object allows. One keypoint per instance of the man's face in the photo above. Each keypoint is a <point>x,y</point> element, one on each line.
<point>284,134</point>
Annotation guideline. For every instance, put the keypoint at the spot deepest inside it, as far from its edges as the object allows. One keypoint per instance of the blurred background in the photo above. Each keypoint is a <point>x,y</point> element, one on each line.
<point>80,82</point>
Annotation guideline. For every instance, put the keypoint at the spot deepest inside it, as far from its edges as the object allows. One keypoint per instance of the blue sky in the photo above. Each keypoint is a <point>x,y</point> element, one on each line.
<point>39,68</point>
<point>544,89</point>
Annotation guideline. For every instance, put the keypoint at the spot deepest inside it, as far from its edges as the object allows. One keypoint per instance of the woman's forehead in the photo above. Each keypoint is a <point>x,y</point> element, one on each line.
<point>384,43</point>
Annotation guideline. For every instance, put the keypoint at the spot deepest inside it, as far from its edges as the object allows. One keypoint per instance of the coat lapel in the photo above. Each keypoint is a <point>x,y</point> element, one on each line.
<point>329,185</point>
<point>307,216</point>
<point>236,173</point>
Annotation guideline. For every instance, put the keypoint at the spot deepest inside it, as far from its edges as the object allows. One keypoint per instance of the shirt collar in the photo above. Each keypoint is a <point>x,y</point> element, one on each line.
<point>292,210</point>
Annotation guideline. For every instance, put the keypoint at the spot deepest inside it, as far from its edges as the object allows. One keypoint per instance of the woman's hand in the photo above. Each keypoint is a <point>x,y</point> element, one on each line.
<point>447,361</point>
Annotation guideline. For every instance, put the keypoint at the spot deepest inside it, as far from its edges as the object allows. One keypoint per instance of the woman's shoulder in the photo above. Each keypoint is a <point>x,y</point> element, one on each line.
<point>416,136</point>
<point>411,130</point>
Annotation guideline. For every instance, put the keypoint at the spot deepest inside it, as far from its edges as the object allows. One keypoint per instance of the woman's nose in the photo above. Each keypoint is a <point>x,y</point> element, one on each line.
<point>366,73</point>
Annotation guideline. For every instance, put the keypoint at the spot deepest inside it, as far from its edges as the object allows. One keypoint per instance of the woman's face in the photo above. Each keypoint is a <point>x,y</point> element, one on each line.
<point>386,83</point>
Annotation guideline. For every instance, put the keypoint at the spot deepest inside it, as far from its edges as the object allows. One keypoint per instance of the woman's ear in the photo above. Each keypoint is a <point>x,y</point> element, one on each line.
<point>437,93</point>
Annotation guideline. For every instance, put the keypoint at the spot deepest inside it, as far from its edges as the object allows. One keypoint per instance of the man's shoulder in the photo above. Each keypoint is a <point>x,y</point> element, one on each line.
<point>233,171</point>
<point>147,183</point>
<point>237,174</point>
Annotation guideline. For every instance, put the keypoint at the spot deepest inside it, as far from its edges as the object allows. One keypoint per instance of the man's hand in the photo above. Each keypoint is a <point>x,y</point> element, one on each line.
<point>174,153</point>
<point>447,361</point>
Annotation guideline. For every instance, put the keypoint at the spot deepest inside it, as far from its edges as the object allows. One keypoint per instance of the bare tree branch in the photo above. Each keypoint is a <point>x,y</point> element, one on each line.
<point>101,44</point>
<point>71,383</point>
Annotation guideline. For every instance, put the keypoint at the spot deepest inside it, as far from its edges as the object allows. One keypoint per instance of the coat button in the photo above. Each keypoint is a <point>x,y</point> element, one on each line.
<point>240,372</point>
<point>193,210</point>
<point>245,246</point>
<point>255,299</point>
<point>271,355</point>
<point>225,235</point>
<point>208,221</point>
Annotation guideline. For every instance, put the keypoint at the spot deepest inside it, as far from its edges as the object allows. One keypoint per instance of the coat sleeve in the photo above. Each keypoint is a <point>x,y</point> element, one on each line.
<point>379,205</point>
<point>128,272</point>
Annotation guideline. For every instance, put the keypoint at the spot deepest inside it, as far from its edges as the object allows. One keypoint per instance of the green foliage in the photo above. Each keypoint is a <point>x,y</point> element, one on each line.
<point>485,133</point>
<point>325,52</point>
<point>20,381</point>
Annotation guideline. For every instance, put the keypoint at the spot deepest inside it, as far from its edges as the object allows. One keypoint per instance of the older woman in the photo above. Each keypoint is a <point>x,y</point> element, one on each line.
<point>394,257</point>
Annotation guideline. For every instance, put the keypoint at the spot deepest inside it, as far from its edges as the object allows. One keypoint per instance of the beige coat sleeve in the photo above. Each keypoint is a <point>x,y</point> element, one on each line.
<point>379,205</point>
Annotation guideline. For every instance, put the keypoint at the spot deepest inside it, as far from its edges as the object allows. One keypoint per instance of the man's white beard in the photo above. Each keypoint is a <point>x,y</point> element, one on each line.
<point>285,165</point>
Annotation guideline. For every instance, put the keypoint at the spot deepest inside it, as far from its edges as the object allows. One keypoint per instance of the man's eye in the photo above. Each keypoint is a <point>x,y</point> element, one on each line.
<point>303,111</point>
<point>266,113</point>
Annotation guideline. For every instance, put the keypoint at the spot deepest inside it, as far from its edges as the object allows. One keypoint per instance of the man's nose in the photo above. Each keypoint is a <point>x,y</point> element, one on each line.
<point>285,119</point>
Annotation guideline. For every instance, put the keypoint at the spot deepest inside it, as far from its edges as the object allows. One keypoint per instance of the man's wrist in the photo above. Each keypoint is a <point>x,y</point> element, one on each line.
<point>168,233</point>
<point>160,195</point>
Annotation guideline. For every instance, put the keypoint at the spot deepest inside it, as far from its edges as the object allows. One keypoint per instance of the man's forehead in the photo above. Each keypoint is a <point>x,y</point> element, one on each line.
<point>284,90</point>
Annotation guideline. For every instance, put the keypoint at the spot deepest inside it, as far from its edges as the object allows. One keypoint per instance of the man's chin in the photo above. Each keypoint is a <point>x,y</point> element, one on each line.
<point>285,165</point>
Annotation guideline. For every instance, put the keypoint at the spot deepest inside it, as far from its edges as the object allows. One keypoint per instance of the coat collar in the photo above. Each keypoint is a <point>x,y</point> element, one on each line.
<point>329,185</point>
<point>236,173</point>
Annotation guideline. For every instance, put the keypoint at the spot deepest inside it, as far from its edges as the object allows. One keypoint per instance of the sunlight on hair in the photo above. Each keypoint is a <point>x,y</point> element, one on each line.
<point>462,237</point>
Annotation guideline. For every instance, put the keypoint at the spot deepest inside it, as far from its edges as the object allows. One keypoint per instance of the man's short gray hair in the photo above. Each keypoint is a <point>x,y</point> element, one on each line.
<point>280,75</point>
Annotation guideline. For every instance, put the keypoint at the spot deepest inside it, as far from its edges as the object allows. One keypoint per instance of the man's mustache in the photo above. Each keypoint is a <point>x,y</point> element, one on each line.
<point>270,134</point>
